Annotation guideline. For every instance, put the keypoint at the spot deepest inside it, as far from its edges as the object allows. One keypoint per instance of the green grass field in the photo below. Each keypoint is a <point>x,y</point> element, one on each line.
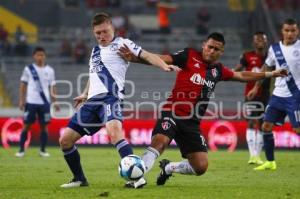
<point>228,176</point>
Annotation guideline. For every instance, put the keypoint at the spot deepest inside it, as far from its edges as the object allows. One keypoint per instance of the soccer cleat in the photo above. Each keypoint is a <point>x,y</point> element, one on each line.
<point>251,160</point>
<point>257,160</point>
<point>44,154</point>
<point>140,183</point>
<point>163,176</point>
<point>75,183</point>
<point>20,154</point>
<point>268,165</point>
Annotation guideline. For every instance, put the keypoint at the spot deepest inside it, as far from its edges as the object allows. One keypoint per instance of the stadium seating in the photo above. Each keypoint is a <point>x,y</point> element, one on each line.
<point>145,78</point>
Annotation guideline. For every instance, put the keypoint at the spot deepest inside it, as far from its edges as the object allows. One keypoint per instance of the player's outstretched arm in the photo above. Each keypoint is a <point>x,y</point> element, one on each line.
<point>148,58</point>
<point>247,76</point>
<point>155,60</point>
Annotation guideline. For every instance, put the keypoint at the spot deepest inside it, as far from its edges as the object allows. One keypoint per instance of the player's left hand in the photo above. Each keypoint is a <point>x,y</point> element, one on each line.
<point>126,54</point>
<point>79,100</point>
<point>280,73</point>
<point>251,94</point>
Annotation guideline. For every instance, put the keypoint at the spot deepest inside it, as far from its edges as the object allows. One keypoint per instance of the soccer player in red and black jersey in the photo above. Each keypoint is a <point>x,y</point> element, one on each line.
<point>182,113</point>
<point>255,105</point>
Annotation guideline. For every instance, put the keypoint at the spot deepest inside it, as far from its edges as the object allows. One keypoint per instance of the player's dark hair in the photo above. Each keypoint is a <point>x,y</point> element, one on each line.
<point>100,18</point>
<point>216,36</point>
<point>290,21</point>
<point>259,33</point>
<point>38,49</point>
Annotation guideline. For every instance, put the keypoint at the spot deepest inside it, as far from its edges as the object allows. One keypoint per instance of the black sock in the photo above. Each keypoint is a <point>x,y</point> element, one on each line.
<point>72,157</point>
<point>124,148</point>
<point>23,139</point>
<point>44,139</point>
<point>269,145</point>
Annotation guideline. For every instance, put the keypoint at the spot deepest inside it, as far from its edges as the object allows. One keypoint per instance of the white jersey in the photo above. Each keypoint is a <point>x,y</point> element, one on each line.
<point>108,68</point>
<point>291,54</point>
<point>47,78</point>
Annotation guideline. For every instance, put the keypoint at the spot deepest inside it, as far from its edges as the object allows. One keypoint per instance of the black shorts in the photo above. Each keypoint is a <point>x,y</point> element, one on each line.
<point>255,108</point>
<point>185,132</point>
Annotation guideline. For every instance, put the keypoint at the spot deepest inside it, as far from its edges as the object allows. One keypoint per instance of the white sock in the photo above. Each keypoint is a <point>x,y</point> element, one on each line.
<point>149,157</point>
<point>250,137</point>
<point>259,142</point>
<point>182,167</point>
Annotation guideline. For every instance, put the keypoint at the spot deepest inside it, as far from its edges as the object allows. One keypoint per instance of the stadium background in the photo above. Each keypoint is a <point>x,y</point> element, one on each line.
<point>63,28</point>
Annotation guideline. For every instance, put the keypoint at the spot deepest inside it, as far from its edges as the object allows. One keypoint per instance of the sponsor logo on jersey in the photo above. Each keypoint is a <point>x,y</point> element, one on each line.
<point>197,79</point>
<point>114,47</point>
<point>96,69</point>
<point>165,125</point>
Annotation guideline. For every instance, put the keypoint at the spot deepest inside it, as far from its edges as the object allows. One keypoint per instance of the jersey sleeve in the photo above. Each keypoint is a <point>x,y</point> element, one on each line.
<point>25,75</point>
<point>270,60</point>
<point>52,78</point>
<point>227,74</point>
<point>135,49</point>
<point>180,58</point>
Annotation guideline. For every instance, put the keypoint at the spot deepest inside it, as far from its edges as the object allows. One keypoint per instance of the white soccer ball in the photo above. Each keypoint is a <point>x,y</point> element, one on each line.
<point>131,167</point>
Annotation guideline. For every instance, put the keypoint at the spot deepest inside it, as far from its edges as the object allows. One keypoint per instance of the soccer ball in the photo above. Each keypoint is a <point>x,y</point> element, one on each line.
<point>131,167</point>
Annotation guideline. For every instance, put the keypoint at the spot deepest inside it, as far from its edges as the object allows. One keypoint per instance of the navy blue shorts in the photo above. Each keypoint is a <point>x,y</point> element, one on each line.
<point>94,114</point>
<point>279,107</point>
<point>40,110</point>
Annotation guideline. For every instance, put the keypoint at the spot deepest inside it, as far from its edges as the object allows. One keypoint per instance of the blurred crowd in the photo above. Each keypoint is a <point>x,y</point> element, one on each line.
<point>15,44</point>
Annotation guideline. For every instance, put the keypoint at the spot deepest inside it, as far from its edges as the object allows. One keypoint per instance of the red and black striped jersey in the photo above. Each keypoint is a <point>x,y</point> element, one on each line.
<point>252,61</point>
<point>195,83</point>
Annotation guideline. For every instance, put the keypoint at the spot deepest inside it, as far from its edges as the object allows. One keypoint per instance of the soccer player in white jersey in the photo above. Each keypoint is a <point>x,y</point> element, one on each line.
<point>286,95</point>
<point>35,98</point>
<point>104,93</point>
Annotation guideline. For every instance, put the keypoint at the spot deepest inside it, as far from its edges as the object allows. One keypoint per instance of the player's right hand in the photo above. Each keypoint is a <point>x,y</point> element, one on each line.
<point>251,94</point>
<point>280,73</point>
<point>79,100</point>
<point>169,68</point>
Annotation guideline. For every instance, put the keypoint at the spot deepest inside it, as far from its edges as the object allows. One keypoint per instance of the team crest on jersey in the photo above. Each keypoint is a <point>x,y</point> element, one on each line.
<point>197,65</point>
<point>214,72</point>
<point>296,53</point>
<point>165,125</point>
<point>114,47</point>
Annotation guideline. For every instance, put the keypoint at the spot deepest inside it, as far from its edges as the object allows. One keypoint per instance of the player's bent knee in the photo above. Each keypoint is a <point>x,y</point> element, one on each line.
<point>201,168</point>
<point>65,143</point>
<point>114,130</point>
<point>68,140</point>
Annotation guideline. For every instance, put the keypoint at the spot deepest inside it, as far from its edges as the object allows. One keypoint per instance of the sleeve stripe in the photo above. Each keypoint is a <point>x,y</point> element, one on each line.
<point>140,53</point>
